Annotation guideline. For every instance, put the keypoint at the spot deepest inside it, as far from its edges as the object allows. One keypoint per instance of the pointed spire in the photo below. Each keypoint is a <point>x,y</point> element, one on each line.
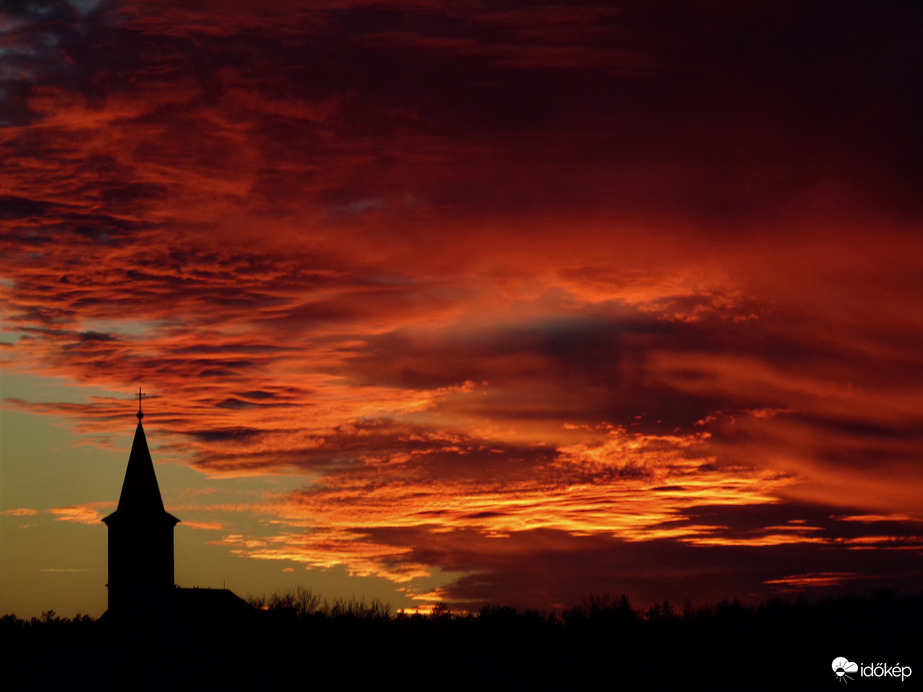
<point>140,499</point>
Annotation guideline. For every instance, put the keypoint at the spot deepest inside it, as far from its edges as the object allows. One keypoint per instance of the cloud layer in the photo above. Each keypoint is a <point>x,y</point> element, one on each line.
<point>559,300</point>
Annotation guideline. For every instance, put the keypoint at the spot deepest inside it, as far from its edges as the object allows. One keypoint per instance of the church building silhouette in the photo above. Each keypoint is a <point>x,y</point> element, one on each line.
<point>141,586</point>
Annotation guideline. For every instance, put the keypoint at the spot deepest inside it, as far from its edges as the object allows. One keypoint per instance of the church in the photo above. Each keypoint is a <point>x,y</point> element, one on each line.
<point>141,587</point>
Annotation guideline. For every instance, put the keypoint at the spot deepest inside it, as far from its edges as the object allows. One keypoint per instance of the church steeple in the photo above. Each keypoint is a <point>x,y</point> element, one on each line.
<point>140,536</point>
<point>140,498</point>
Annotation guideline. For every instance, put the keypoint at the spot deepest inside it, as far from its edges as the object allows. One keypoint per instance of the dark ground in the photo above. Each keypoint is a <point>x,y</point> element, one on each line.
<point>602,645</point>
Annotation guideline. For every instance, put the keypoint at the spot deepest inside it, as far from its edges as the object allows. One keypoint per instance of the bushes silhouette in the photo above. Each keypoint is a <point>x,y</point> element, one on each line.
<point>602,643</point>
<point>303,604</point>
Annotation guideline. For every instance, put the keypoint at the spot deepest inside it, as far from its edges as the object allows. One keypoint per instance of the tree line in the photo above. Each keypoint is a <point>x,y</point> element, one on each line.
<point>601,643</point>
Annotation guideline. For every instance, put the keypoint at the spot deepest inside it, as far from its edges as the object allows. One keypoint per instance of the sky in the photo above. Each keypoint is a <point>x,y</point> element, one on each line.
<point>466,302</point>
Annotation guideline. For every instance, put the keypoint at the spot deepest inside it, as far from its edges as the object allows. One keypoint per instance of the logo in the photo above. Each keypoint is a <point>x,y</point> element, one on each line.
<point>842,667</point>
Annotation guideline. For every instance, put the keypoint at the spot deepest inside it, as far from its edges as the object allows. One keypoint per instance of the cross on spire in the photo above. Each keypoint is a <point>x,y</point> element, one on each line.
<point>140,414</point>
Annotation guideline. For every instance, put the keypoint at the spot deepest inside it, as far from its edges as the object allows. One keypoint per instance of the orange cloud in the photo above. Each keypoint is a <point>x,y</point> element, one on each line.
<point>89,513</point>
<point>799,582</point>
<point>20,512</point>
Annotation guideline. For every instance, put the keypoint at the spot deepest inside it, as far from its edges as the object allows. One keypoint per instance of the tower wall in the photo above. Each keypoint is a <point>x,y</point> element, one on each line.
<point>140,539</point>
<point>140,565</point>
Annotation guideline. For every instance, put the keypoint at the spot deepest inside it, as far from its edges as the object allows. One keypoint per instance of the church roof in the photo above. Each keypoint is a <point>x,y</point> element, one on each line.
<point>212,602</point>
<point>140,499</point>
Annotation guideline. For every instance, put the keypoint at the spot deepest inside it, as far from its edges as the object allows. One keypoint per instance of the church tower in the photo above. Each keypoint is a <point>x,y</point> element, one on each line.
<point>140,538</point>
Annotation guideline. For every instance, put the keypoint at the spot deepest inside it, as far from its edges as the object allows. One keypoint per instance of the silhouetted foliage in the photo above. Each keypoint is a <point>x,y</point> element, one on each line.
<point>603,643</point>
<point>301,601</point>
<point>303,604</point>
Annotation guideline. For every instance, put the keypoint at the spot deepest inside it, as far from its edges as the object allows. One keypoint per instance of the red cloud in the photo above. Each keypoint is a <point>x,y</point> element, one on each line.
<point>506,276</point>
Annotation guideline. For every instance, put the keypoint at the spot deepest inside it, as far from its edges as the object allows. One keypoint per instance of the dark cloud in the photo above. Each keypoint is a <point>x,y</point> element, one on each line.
<point>228,434</point>
<point>562,569</point>
<point>19,208</point>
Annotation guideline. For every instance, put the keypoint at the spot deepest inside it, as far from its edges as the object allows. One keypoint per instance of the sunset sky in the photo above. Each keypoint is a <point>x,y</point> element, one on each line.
<point>474,302</point>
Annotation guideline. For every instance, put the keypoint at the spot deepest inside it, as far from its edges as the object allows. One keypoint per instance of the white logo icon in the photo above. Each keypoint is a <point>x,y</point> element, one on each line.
<point>841,666</point>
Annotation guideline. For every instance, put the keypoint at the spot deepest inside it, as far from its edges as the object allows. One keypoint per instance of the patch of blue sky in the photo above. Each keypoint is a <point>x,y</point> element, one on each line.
<point>131,328</point>
<point>10,337</point>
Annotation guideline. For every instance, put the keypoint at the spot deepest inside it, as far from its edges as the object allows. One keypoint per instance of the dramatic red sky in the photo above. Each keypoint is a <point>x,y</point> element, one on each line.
<point>474,302</point>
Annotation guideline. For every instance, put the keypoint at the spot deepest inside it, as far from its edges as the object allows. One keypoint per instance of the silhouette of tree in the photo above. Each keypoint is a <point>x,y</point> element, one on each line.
<point>601,643</point>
